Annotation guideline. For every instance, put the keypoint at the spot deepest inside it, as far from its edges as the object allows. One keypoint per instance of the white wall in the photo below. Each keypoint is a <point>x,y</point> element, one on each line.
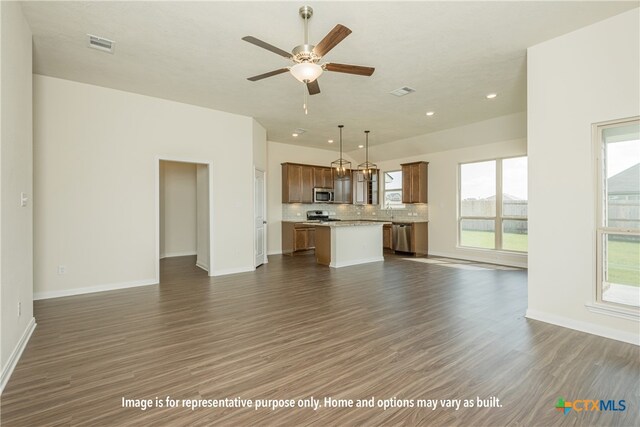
<point>584,77</point>
<point>96,156</point>
<point>16,155</point>
<point>178,209</point>
<point>278,153</point>
<point>202,216</point>
<point>259,146</point>
<point>443,180</point>
<point>502,128</point>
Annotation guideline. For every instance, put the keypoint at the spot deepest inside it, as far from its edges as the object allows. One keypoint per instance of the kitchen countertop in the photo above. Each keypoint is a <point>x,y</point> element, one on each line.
<point>387,221</point>
<point>347,223</point>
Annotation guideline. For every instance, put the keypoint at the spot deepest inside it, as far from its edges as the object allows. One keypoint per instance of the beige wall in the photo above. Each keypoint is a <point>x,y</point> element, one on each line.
<point>443,180</point>
<point>16,155</point>
<point>96,157</point>
<point>177,209</point>
<point>584,77</point>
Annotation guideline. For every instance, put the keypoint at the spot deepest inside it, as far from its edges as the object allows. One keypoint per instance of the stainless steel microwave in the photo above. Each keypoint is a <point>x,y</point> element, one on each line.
<point>322,195</point>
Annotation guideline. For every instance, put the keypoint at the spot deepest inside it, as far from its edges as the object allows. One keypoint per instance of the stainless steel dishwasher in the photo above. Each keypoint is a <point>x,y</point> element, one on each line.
<point>401,237</point>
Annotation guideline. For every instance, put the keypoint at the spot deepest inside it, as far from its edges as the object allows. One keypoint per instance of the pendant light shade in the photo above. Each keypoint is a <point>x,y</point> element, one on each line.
<point>367,168</point>
<point>341,168</point>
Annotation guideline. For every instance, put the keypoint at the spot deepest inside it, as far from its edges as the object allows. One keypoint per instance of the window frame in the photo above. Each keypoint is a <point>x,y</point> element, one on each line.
<point>383,203</point>
<point>499,218</point>
<point>600,305</point>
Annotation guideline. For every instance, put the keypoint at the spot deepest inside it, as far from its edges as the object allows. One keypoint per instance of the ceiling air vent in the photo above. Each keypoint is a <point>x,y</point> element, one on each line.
<point>101,43</point>
<point>402,91</point>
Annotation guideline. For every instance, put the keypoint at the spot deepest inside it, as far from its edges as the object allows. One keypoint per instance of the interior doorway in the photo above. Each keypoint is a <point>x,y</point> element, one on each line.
<point>183,211</point>
<point>260,223</point>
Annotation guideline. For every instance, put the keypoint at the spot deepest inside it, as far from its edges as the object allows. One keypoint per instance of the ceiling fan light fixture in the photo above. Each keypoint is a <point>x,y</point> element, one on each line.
<point>306,72</point>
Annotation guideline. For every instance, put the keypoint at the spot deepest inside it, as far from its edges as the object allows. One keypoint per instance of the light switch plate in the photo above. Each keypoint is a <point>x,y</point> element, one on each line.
<point>23,199</point>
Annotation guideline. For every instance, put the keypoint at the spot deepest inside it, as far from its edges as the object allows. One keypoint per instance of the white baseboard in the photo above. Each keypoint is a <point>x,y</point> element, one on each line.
<point>355,262</point>
<point>202,266</point>
<point>274,252</point>
<point>16,353</point>
<point>231,271</point>
<point>175,254</point>
<point>92,289</point>
<point>590,328</point>
<point>497,258</point>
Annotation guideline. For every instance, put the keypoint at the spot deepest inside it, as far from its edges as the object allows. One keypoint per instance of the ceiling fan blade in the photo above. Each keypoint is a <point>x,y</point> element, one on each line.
<point>269,74</point>
<point>330,41</point>
<point>349,69</point>
<point>267,46</point>
<point>313,87</point>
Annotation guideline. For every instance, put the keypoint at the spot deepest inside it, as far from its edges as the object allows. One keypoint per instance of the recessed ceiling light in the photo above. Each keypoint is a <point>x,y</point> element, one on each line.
<point>430,113</point>
<point>492,95</point>
<point>360,146</point>
<point>330,141</point>
<point>294,134</point>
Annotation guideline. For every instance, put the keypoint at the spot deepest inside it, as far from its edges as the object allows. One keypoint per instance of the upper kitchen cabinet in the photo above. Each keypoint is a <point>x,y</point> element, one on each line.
<point>365,192</point>
<point>322,177</point>
<point>342,190</point>
<point>414,182</point>
<point>297,183</point>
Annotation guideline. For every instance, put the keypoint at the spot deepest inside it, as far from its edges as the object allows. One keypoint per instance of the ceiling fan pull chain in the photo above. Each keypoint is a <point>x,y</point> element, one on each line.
<point>305,100</point>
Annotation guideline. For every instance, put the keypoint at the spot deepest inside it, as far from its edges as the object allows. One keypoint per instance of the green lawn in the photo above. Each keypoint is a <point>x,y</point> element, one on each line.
<point>486,239</point>
<point>624,257</point>
<point>624,262</point>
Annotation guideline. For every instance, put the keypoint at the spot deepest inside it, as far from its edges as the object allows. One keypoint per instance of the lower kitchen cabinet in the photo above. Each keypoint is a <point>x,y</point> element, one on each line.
<point>387,237</point>
<point>297,237</point>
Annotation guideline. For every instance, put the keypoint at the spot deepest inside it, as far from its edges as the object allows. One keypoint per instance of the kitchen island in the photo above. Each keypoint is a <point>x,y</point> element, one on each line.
<point>345,243</point>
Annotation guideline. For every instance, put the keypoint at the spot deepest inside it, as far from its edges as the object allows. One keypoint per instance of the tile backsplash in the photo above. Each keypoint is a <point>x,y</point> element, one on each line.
<point>298,212</point>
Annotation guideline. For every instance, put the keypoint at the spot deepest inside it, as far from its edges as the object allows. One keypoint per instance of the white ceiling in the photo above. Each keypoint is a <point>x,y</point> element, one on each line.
<point>452,53</point>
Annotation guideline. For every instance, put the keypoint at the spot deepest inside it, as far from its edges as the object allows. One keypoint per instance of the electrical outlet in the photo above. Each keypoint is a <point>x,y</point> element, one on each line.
<point>19,309</point>
<point>62,269</point>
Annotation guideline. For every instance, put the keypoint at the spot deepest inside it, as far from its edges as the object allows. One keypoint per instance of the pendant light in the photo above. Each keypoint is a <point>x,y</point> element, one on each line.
<point>367,168</point>
<point>341,168</point>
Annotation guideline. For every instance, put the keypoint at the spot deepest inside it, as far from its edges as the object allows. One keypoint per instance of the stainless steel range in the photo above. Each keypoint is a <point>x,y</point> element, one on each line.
<point>319,216</point>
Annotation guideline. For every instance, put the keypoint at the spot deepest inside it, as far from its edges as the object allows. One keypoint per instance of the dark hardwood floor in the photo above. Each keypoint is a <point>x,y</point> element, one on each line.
<point>293,329</point>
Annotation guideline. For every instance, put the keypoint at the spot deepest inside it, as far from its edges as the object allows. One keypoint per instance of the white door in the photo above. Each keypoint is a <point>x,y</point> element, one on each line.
<point>259,209</point>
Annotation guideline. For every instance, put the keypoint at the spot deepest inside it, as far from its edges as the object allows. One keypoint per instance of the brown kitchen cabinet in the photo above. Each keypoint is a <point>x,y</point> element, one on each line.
<point>387,242</point>
<point>414,182</point>
<point>297,237</point>
<point>342,190</point>
<point>297,183</point>
<point>322,177</point>
<point>365,192</point>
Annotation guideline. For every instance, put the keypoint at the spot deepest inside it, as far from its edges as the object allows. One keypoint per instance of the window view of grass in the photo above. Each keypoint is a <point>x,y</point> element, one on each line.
<point>623,262</point>
<point>486,240</point>
<point>478,239</point>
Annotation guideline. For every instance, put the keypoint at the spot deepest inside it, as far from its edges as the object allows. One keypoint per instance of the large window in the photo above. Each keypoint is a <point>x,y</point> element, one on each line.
<point>393,189</point>
<point>493,202</point>
<point>618,231</point>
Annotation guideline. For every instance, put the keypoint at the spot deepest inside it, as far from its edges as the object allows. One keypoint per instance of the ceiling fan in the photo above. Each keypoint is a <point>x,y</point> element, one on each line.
<point>306,57</point>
